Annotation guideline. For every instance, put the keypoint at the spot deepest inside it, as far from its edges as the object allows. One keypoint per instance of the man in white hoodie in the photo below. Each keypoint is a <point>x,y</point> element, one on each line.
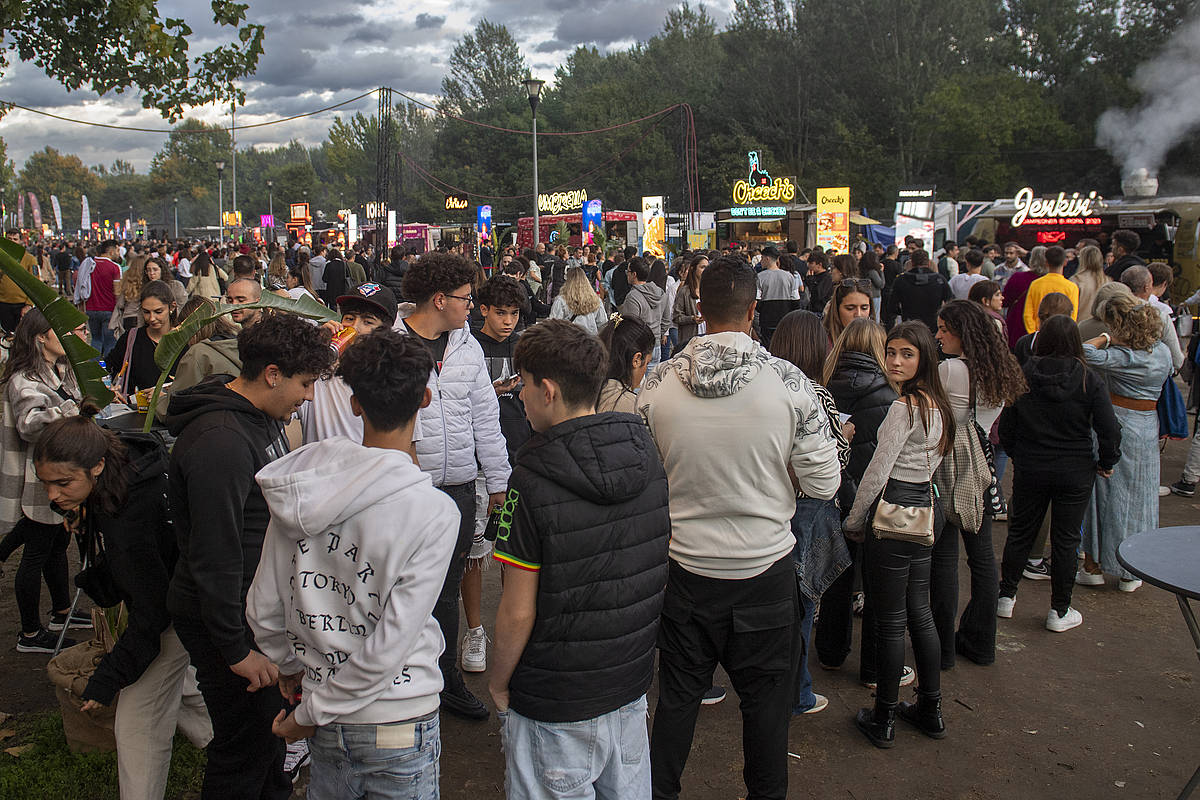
<point>343,598</point>
<point>740,433</point>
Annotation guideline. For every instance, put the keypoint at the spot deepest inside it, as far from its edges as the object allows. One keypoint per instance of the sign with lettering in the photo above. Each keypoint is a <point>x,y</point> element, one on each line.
<point>457,202</point>
<point>833,218</point>
<point>483,223</point>
<point>299,212</point>
<point>1061,210</point>
<point>266,221</point>
<point>558,202</point>
<point>655,225</point>
<point>375,210</point>
<point>916,192</point>
<point>758,211</point>
<point>233,219</point>
<point>759,187</point>
<point>593,220</point>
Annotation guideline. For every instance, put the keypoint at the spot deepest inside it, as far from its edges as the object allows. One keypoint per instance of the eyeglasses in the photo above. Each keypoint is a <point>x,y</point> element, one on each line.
<point>468,299</point>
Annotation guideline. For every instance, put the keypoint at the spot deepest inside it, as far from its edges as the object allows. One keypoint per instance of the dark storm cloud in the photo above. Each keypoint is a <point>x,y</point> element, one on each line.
<point>370,34</point>
<point>429,22</point>
<point>552,46</point>
<point>613,21</point>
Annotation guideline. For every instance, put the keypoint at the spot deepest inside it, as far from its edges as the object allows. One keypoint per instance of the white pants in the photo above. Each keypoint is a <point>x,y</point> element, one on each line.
<point>148,711</point>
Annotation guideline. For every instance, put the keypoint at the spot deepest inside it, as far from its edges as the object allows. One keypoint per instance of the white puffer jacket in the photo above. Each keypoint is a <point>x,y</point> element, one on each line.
<point>462,421</point>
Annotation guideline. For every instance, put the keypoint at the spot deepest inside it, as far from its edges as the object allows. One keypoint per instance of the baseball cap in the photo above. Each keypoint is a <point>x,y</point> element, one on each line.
<point>375,295</point>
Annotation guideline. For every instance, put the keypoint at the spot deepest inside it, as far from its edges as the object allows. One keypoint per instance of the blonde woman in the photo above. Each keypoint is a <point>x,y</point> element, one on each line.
<point>579,303</point>
<point>277,270</point>
<point>1089,278</point>
<point>127,313</point>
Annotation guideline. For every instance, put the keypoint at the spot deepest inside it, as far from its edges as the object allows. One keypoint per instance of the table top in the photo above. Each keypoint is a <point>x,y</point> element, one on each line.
<point>1168,558</point>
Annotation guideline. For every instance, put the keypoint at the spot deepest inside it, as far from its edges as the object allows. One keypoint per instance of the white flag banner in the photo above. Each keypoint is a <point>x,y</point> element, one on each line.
<point>86,220</point>
<point>57,211</point>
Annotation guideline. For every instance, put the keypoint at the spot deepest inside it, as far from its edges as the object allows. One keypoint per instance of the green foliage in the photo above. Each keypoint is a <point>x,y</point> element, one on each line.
<point>129,45</point>
<point>50,771</point>
<point>48,172</point>
<point>486,67</point>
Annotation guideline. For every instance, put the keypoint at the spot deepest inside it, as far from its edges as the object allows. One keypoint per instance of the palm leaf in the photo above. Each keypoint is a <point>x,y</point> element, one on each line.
<point>174,343</point>
<point>600,240</point>
<point>563,234</point>
<point>64,318</point>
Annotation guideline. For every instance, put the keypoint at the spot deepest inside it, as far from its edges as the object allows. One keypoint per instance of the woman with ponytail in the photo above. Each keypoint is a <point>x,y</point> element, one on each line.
<point>115,493</point>
<point>630,344</point>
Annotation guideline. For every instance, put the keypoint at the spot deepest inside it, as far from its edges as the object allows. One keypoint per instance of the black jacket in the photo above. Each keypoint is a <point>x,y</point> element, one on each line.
<point>393,276</point>
<point>918,294</point>
<point>219,511</point>
<point>1123,263</point>
<point>1049,428</point>
<point>820,290</point>
<point>140,545</point>
<point>860,389</point>
<point>335,281</point>
<point>591,514</point>
<point>513,423</point>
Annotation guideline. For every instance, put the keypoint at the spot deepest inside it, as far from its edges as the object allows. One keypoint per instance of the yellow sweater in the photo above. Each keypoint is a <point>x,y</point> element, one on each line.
<point>9,293</point>
<point>1048,284</point>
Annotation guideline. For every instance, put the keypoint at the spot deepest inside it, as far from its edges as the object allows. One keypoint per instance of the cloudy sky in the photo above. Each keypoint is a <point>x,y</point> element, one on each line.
<point>318,53</point>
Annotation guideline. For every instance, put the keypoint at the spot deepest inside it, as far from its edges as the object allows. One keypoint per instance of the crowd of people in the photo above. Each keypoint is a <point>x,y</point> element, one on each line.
<point>722,461</point>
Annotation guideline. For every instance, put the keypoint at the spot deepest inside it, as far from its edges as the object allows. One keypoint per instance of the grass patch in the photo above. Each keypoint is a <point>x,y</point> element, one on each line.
<point>50,771</point>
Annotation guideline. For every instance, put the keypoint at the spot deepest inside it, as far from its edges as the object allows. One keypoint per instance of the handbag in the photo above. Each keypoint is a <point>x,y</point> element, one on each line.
<point>905,523</point>
<point>96,578</point>
<point>966,473</point>
<point>1172,412</point>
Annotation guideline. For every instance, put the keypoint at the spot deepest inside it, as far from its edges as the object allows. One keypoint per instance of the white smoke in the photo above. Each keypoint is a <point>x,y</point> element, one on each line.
<point>1141,137</point>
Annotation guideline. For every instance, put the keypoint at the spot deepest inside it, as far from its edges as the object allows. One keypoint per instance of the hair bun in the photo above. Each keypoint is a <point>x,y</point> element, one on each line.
<point>89,408</point>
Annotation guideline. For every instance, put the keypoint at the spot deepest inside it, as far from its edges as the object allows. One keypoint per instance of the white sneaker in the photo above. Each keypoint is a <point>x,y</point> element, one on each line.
<point>1004,607</point>
<point>1130,585</point>
<point>1085,578</point>
<point>1072,619</point>
<point>819,705</point>
<point>295,758</point>
<point>907,677</point>
<point>474,650</point>
<point>1164,491</point>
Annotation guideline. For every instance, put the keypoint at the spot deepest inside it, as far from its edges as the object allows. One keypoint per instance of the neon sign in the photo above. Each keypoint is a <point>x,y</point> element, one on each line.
<point>759,187</point>
<point>758,211</point>
<point>558,202</point>
<point>1061,210</point>
<point>457,202</point>
<point>1051,237</point>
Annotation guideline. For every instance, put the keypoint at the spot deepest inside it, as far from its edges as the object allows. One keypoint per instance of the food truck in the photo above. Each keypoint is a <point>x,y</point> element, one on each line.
<point>621,228</point>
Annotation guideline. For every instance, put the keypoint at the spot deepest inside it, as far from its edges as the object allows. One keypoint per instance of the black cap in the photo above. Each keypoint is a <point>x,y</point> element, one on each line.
<point>772,251</point>
<point>376,295</point>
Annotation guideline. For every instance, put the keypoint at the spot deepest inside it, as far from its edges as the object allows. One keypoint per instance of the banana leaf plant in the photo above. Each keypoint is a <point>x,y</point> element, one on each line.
<point>600,240</point>
<point>174,343</point>
<point>64,318</point>
<point>560,235</point>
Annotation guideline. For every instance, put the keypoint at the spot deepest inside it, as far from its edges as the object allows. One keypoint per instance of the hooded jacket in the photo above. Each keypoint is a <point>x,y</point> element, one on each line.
<point>462,421</point>
<point>219,512</point>
<point>918,294</point>
<point>648,303</point>
<point>217,355</point>
<point>1049,428</point>
<point>860,389</point>
<point>393,276</point>
<point>587,510</point>
<point>351,568</point>
<point>729,419</point>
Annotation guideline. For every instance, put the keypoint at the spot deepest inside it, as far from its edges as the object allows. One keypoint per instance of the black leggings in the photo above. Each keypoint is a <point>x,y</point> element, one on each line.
<point>45,555</point>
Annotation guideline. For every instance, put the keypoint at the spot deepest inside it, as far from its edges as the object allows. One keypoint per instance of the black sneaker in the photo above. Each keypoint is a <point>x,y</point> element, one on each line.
<point>1183,488</point>
<point>41,642</point>
<point>714,695</point>
<point>1037,572</point>
<point>78,620</point>
<point>458,700</point>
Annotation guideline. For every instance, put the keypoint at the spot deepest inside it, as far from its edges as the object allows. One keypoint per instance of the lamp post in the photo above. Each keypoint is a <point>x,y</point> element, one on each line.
<point>534,87</point>
<point>271,203</point>
<point>221,198</point>
<point>176,217</point>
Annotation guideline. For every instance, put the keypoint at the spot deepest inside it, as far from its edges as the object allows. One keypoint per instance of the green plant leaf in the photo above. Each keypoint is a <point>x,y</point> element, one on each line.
<point>64,318</point>
<point>175,342</point>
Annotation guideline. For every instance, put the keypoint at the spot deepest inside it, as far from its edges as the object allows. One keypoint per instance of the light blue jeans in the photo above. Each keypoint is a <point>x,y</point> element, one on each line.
<point>606,757</point>
<point>373,761</point>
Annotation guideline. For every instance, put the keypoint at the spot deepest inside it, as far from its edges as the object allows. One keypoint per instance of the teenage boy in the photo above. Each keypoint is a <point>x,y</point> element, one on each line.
<point>501,301</point>
<point>584,531</point>
<point>460,425</point>
<point>740,432</point>
<point>367,308</point>
<point>1052,281</point>
<point>228,429</point>
<point>345,588</point>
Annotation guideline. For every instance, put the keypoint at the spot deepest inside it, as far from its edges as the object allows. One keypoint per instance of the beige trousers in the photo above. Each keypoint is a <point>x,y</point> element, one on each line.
<point>148,712</point>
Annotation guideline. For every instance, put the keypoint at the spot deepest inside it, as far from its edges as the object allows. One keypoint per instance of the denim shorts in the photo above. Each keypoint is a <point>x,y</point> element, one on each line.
<point>551,760</point>
<point>394,761</point>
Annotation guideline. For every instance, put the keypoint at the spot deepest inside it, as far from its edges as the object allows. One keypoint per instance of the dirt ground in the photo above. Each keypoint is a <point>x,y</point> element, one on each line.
<point>1109,709</point>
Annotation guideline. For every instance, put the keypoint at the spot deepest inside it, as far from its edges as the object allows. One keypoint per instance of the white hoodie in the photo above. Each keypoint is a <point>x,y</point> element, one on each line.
<point>353,562</point>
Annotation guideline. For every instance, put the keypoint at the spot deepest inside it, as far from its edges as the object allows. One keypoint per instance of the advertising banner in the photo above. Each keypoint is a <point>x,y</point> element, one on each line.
<point>592,219</point>
<point>20,210</point>
<point>86,216</point>
<point>266,221</point>
<point>483,223</point>
<point>833,218</point>
<point>702,240</point>
<point>36,209</point>
<point>57,211</point>
<point>457,202</point>
<point>391,227</point>
<point>655,226</point>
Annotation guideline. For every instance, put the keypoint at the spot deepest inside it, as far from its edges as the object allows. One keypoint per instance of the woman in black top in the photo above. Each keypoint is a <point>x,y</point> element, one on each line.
<point>131,363</point>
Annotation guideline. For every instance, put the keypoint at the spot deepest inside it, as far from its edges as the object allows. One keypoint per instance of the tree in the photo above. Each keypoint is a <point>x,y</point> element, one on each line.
<point>486,67</point>
<point>118,46</point>
<point>186,168</point>
<point>48,172</point>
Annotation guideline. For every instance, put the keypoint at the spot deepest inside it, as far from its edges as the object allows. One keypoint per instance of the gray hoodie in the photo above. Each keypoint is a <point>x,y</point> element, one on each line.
<point>648,303</point>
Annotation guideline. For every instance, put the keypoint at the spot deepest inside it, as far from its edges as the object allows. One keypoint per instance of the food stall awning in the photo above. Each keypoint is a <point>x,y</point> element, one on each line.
<point>859,219</point>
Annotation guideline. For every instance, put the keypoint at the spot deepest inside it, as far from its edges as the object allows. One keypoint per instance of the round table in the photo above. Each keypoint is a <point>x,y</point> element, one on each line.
<point>1169,558</point>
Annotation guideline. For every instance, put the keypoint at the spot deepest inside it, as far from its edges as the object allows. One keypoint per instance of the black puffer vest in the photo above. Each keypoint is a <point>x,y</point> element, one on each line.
<point>596,493</point>
<point>860,389</point>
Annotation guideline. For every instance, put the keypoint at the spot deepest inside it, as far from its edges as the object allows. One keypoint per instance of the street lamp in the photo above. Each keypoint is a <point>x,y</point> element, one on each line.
<point>176,218</point>
<point>271,202</point>
<point>221,198</point>
<point>534,87</point>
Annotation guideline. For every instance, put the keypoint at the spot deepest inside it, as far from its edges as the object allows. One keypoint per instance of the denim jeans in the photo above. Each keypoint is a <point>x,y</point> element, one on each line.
<point>672,340</point>
<point>603,757</point>
<point>804,698</point>
<point>102,336</point>
<point>396,761</point>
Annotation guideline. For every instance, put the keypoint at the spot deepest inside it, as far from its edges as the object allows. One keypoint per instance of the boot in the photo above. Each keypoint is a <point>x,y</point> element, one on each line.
<point>878,724</point>
<point>925,714</point>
